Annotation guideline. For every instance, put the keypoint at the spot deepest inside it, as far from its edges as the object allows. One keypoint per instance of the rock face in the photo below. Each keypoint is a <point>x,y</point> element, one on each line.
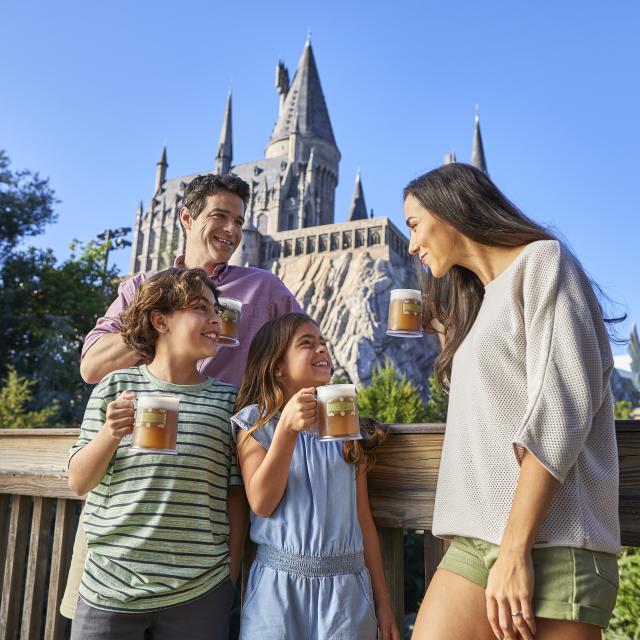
<point>347,293</point>
<point>622,388</point>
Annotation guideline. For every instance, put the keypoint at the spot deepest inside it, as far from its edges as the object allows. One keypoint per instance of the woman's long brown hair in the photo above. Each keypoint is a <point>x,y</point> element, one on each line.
<point>261,386</point>
<point>465,198</point>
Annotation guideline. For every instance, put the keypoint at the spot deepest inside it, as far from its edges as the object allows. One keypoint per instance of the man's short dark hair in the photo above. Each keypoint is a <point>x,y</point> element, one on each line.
<point>196,192</point>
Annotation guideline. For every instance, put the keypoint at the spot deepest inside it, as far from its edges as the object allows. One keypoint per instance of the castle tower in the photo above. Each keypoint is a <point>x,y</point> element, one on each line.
<point>224,154</point>
<point>161,171</point>
<point>477,150</point>
<point>303,122</point>
<point>358,209</point>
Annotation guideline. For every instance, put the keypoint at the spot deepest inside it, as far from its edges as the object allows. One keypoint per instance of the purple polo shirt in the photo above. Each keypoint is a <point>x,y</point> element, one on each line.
<point>263,297</point>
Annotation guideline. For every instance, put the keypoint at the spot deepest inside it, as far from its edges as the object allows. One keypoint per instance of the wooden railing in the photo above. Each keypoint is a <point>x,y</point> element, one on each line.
<point>38,516</point>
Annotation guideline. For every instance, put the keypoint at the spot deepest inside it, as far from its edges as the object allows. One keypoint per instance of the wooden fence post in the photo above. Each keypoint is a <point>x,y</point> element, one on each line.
<point>14,566</point>
<point>391,547</point>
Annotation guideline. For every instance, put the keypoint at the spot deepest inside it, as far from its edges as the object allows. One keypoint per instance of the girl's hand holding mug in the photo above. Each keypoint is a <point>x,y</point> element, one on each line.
<point>301,412</point>
<point>121,415</point>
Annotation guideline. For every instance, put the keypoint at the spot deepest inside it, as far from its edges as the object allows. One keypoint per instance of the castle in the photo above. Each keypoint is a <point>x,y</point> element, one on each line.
<point>341,273</point>
<point>292,206</point>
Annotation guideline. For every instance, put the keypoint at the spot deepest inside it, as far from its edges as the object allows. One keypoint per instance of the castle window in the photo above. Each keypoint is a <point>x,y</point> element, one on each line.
<point>299,246</point>
<point>322,242</point>
<point>359,238</point>
<point>335,241</point>
<point>346,240</point>
<point>374,238</point>
<point>311,245</point>
<point>287,248</point>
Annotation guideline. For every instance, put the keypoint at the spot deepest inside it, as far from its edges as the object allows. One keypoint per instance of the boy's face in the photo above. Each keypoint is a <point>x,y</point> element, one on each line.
<point>195,331</point>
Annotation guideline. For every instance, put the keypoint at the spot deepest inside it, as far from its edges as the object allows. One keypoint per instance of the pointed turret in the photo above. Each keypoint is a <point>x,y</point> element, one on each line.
<point>224,155</point>
<point>477,150</point>
<point>282,84</point>
<point>358,210</point>
<point>295,138</point>
<point>161,170</point>
<point>449,158</point>
<point>310,168</point>
<point>305,95</point>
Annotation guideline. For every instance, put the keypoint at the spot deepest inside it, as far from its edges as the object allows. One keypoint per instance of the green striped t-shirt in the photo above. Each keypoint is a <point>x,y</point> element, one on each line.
<point>157,525</point>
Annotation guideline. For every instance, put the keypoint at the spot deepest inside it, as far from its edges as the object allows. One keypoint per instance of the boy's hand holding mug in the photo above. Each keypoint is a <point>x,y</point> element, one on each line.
<point>121,415</point>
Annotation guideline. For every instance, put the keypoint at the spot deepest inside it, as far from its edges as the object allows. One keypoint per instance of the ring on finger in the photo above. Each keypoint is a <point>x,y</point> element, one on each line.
<point>515,614</point>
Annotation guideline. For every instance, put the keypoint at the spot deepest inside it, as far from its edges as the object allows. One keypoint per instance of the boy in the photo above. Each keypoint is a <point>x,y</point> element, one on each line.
<point>157,524</point>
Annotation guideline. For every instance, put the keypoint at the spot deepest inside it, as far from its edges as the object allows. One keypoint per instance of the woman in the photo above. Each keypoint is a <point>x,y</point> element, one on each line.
<point>528,483</point>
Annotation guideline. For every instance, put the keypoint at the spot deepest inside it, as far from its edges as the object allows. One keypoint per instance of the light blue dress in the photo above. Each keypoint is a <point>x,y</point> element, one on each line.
<point>308,581</point>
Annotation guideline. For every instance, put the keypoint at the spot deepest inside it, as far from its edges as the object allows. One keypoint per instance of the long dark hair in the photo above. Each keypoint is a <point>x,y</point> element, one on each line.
<point>465,198</point>
<point>261,386</point>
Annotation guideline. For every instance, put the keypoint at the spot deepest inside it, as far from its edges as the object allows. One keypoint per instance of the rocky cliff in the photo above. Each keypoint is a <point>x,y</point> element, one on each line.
<point>347,293</point>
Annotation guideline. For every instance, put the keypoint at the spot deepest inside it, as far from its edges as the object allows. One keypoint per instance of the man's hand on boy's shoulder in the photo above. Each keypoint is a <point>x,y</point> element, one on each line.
<point>120,415</point>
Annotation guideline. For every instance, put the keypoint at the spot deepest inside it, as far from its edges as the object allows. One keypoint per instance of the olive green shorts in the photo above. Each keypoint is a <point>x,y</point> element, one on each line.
<point>569,584</point>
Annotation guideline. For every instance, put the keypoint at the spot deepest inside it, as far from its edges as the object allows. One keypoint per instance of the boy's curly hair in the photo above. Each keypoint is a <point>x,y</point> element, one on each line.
<point>167,291</point>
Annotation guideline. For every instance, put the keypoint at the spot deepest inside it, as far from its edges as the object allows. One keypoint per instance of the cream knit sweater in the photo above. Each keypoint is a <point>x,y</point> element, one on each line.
<point>533,373</point>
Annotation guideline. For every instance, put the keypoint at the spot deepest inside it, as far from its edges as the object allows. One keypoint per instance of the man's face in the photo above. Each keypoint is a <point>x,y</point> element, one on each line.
<point>217,231</point>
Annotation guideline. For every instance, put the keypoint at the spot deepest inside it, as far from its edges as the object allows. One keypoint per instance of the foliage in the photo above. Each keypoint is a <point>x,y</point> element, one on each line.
<point>46,309</point>
<point>391,398</point>
<point>625,623</point>
<point>15,394</point>
<point>26,205</point>
<point>622,410</point>
<point>438,402</point>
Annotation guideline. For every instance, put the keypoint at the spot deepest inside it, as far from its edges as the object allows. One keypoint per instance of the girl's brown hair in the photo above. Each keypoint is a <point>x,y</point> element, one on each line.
<point>261,386</point>
<point>167,291</point>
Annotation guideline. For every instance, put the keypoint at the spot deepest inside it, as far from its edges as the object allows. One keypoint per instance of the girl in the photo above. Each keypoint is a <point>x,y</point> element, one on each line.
<point>310,516</point>
<point>528,482</point>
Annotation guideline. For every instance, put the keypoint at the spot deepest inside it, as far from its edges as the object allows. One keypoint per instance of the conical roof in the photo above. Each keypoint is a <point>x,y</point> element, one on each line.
<point>306,97</point>
<point>358,210</point>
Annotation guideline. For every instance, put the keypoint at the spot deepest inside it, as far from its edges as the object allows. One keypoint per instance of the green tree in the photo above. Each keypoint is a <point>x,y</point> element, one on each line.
<point>46,306</point>
<point>26,205</point>
<point>438,402</point>
<point>391,397</point>
<point>625,623</point>
<point>622,410</point>
<point>46,309</point>
<point>14,397</point>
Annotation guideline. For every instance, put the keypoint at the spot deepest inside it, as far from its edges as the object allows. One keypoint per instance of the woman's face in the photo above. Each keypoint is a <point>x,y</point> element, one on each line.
<point>434,241</point>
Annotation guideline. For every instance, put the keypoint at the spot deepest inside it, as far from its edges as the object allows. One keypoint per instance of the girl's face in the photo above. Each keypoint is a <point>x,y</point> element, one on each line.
<point>436,243</point>
<point>195,331</point>
<point>306,362</point>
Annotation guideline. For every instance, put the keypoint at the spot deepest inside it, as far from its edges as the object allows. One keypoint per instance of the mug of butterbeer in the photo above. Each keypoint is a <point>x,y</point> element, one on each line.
<point>338,412</point>
<point>156,424</point>
<point>230,322</point>
<point>405,313</point>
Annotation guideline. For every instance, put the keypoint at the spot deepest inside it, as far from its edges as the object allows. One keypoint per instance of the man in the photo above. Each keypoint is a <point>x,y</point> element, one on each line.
<point>212,217</point>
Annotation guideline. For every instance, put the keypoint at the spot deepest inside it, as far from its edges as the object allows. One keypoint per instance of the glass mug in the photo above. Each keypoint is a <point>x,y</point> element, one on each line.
<point>405,313</point>
<point>230,322</point>
<point>156,423</point>
<point>338,412</point>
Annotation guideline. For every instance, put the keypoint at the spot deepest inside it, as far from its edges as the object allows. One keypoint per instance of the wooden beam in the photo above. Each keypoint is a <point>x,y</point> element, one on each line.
<point>63,535</point>
<point>36,569</point>
<point>14,566</point>
<point>391,547</point>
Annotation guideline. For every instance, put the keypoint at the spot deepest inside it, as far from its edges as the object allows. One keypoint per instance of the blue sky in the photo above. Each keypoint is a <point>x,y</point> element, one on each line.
<point>90,92</point>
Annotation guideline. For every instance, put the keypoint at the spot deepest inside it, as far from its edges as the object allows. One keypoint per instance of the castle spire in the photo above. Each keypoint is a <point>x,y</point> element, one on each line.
<point>224,155</point>
<point>358,210</point>
<point>477,150</point>
<point>305,95</point>
<point>161,170</point>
